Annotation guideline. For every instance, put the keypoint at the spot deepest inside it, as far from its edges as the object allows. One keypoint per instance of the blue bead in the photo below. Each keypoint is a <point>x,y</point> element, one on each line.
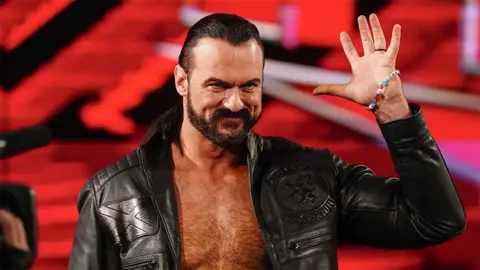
<point>384,83</point>
<point>372,105</point>
<point>379,91</point>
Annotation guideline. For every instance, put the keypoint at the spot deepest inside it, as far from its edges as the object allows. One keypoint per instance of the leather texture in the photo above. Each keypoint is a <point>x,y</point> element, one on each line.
<point>307,201</point>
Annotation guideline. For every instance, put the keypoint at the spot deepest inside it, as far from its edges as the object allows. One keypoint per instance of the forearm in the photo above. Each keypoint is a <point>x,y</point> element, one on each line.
<point>427,189</point>
<point>419,209</point>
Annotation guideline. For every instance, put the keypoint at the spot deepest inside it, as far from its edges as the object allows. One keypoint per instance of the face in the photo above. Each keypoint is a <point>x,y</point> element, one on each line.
<point>223,90</point>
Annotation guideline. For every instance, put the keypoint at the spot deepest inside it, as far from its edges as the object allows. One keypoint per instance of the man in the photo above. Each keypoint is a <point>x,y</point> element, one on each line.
<point>204,192</point>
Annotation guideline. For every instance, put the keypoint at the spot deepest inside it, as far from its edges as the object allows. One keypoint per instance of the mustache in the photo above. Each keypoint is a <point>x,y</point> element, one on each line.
<point>243,114</point>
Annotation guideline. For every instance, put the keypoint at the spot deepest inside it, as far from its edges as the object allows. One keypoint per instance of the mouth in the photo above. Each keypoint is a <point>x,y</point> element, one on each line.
<point>231,123</point>
<point>232,120</point>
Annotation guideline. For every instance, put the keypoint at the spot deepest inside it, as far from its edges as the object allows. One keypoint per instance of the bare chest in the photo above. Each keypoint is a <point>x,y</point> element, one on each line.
<point>218,228</point>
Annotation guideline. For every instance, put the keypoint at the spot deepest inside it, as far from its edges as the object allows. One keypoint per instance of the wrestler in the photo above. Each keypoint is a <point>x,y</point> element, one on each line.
<point>205,192</point>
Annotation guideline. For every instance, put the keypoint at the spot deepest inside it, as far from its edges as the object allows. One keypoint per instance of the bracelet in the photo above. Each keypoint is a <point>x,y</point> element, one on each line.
<point>381,89</point>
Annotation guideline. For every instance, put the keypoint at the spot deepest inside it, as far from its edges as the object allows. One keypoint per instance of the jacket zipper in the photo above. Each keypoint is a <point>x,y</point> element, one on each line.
<point>266,240</point>
<point>303,244</point>
<point>143,266</point>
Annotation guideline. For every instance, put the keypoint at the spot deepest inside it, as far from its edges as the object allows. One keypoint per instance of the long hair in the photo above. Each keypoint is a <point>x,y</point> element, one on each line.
<point>167,126</point>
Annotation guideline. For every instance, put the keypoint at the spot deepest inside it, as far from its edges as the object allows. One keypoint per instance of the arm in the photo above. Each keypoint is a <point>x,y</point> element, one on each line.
<point>420,208</point>
<point>89,248</point>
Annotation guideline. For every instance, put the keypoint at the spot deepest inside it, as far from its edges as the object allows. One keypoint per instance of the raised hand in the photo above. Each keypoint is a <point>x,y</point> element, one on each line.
<point>371,69</point>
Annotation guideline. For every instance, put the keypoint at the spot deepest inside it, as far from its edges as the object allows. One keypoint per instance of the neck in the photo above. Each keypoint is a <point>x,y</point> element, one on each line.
<point>205,154</point>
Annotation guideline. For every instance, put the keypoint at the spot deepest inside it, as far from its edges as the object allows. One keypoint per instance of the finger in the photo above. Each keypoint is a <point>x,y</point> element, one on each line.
<point>331,89</point>
<point>16,232</point>
<point>366,36</point>
<point>8,224</point>
<point>379,42</point>
<point>395,42</point>
<point>6,219</point>
<point>348,47</point>
<point>22,236</point>
<point>13,230</point>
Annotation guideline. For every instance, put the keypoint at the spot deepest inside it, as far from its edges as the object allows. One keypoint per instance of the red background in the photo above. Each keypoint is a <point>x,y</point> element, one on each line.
<point>89,70</point>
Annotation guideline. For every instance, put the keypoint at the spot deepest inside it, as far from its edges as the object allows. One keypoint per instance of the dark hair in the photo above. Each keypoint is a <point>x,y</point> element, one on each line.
<point>226,27</point>
<point>167,125</point>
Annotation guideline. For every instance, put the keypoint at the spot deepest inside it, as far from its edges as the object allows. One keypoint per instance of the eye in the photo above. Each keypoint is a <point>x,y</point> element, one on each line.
<point>250,86</point>
<point>216,85</point>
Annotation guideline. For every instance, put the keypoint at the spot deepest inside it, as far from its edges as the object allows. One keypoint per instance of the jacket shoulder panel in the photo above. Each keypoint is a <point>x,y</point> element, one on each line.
<point>279,144</point>
<point>102,177</point>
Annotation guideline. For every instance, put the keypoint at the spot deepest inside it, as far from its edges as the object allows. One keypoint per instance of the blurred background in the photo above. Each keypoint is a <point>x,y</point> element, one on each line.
<point>98,72</point>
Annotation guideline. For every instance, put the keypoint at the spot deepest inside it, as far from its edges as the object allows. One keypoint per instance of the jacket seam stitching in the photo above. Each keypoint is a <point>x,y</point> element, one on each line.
<point>115,174</point>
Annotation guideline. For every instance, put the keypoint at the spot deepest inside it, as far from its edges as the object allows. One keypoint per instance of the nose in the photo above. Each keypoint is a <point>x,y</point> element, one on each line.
<point>233,101</point>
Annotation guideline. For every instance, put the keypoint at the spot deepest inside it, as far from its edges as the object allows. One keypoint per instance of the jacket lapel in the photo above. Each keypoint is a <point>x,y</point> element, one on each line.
<point>158,169</point>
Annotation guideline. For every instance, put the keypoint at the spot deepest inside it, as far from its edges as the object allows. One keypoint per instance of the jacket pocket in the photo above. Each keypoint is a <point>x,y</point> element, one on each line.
<point>147,262</point>
<point>307,246</point>
<point>150,265</point>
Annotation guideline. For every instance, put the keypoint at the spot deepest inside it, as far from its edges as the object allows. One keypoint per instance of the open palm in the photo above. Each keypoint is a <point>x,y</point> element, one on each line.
<point>370,69</point>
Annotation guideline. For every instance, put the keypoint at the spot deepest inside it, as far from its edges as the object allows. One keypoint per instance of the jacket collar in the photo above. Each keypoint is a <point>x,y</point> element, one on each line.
<point>158,148</point>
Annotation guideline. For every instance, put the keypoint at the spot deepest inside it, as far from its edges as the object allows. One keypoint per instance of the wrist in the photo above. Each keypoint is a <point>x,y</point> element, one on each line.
<point>392,109</point>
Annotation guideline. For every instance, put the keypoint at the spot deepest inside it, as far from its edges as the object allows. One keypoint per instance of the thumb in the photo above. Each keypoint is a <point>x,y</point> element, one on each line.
<point>331,89</point>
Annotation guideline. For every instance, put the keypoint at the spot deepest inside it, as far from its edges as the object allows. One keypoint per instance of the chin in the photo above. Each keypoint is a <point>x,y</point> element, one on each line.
<point>231,139</point>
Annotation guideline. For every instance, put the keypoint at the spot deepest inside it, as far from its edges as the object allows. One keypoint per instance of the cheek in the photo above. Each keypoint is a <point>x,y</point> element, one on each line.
<point>202,100</point>
<point>210,106</point>
<point>206,106</point>
<point>254,101</point>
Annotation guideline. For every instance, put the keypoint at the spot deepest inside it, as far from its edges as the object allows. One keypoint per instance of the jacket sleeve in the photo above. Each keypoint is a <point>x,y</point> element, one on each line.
<point>90,251</point>
<point>420,208</point>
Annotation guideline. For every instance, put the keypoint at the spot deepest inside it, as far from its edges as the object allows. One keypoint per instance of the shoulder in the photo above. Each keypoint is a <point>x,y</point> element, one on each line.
<point>279,150</point>
<point>122,168</point>
<point>279,144</point>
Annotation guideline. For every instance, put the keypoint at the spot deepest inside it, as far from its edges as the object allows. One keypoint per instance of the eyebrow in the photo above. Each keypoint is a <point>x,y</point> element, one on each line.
<point>220,81</point>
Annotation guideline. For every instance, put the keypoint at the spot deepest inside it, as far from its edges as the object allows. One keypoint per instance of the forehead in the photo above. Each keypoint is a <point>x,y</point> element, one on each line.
<point>231,63</point>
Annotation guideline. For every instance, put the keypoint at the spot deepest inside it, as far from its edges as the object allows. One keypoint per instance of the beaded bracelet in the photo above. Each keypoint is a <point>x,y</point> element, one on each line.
<point>381,89</point>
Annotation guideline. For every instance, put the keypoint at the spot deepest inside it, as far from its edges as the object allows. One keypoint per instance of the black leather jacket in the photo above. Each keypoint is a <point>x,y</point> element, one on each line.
<point>305,201</point>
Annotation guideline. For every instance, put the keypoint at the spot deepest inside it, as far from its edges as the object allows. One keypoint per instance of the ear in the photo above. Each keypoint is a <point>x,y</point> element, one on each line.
<point>181,80</point>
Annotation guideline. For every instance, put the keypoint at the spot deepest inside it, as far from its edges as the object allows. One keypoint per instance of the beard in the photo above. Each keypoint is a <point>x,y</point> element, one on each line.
<point>209,127</point>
